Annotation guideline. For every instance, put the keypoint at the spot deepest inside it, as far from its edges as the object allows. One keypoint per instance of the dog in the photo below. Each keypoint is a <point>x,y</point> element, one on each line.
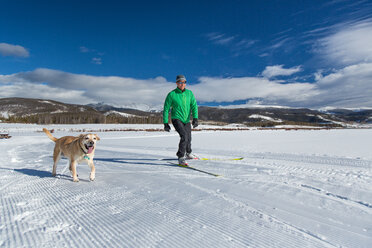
<point>76,149</point>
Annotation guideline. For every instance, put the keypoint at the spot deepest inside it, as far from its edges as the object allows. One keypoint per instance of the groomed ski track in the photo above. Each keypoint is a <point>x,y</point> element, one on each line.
<point>268,199</point>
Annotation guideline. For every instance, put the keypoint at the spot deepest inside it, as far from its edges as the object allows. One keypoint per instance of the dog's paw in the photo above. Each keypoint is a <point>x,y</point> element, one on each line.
<point>76,180</point>
<point>54,174</point>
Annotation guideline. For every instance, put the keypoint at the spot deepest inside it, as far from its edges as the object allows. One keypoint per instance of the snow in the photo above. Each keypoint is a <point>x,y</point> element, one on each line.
<point>265,118</point>
<point>48,102</point>
<point>58,111</point>
<point>335,122</point>
<point>306,188</point>
<point>254,104</point>
<point>5,114</point>
<point>119,113</point>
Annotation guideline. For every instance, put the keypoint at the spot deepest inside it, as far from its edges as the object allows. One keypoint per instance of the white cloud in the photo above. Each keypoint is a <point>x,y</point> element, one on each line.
<point>245,44</point>
<point>97,61</point>
<point>233,89</point>
<point>278,70</point>
<point>84,89</point>
<point>236,44</point>
<point>30,90</point>
<point>350,44</point>
<point>279,43</point>
<point>13,50</point>
<point>347,87</point>
<point>84,49</point>
<point>220,39</point>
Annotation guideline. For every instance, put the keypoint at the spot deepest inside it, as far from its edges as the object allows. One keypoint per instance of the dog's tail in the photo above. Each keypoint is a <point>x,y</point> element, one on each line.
<point>49,135</point>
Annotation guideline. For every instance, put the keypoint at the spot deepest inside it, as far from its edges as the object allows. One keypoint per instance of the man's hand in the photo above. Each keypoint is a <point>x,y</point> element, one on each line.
<point>167,128</point>
<point>195,123</point>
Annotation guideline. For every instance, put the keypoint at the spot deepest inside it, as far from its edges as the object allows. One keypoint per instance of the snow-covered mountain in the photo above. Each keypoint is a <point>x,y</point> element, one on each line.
<point>25,107</point>
<point>48,111</point>
<point>135,106</point>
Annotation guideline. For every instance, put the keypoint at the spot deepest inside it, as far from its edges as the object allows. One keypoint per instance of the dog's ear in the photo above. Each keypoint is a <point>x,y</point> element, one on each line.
<point>81,136</point>
<point>98,138</point>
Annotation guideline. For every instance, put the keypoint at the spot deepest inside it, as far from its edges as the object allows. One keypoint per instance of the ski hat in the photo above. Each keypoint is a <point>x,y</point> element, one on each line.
<point>180,78</point>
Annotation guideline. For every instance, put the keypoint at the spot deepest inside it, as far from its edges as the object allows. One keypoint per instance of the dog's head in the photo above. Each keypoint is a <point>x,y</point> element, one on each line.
<point>89,141</point>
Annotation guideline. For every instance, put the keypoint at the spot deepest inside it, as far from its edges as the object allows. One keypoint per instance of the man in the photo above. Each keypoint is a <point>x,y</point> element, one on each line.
<point>182,102</point>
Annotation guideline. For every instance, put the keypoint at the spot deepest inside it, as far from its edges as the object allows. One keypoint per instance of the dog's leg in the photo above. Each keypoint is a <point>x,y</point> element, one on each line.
<point>56,158</point>
<point>73,171</point>
<point>92,171</point>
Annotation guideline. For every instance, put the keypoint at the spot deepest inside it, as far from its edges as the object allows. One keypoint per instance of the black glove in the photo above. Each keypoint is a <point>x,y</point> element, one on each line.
<point>167,127</point>
<point>195,123</point>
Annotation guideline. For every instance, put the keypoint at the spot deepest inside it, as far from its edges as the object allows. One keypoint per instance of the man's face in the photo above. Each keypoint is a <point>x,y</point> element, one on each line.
<point>181,84</point>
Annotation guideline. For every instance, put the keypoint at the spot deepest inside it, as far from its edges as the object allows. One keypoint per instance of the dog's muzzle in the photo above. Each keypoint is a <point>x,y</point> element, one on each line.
<point>90,146</point>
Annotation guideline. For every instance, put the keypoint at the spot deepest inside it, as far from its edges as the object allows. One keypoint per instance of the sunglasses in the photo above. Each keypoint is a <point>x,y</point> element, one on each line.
<point>181,82</point>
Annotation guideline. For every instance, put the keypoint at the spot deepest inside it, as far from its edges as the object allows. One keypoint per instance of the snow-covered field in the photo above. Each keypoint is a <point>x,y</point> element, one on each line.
<point>292,189</point>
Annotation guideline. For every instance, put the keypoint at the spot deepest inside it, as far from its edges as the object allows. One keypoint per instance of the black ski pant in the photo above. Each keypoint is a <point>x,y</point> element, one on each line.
<point>184,130</point>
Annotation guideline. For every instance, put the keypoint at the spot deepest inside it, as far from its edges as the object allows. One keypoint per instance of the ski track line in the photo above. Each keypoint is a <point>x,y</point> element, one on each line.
<point>340,174</point>
<point>330,171</point>
<point>217,228</point>
<point>172,217</point>
<point>15,157</point>
<point>63,171</point>
<point>311,190</point>
<point>325,171</point>
<point>266,217</point>
<point>135,151</point>
<point>262,241</point>
<point>355,203</point>
<point>142,137</point>
<point>12,179</point>
<point>96,215</point>
<point>59,211</point>
<point>101,231</point>
<point>143,218</point>
<point>313,159</point>
<point>193,217</point>
<point>157,169</point>
<point>329,196</point>
<point>363,206</point>
<point>23,231</point>
<point>166,135</point>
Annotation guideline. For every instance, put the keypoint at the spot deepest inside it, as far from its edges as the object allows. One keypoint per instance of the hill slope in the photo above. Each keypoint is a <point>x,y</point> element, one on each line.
<point>53,112</point>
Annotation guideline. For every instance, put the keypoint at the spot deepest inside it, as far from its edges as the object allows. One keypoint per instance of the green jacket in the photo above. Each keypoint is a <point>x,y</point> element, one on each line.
<point>181,103</point>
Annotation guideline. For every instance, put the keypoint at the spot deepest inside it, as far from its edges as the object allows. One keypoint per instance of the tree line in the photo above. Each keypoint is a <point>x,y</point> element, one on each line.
<point>82,118</point>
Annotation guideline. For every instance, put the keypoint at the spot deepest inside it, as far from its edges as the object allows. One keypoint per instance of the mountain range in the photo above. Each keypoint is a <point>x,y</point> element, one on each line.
<point>43,111</point>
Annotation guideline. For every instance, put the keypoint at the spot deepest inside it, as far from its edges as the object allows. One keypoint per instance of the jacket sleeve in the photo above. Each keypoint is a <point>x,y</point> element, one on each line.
<point>194,106</point>
<point>167,105</point>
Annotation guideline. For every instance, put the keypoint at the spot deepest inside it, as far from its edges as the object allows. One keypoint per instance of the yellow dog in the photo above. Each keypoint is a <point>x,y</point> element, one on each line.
<point>76,149</point>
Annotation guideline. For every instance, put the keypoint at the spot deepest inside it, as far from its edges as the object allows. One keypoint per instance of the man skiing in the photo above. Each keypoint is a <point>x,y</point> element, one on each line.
<point>182,102</point>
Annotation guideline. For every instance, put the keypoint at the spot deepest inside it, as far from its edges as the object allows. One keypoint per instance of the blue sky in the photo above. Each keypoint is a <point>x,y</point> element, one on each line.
<point>311,53</point>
